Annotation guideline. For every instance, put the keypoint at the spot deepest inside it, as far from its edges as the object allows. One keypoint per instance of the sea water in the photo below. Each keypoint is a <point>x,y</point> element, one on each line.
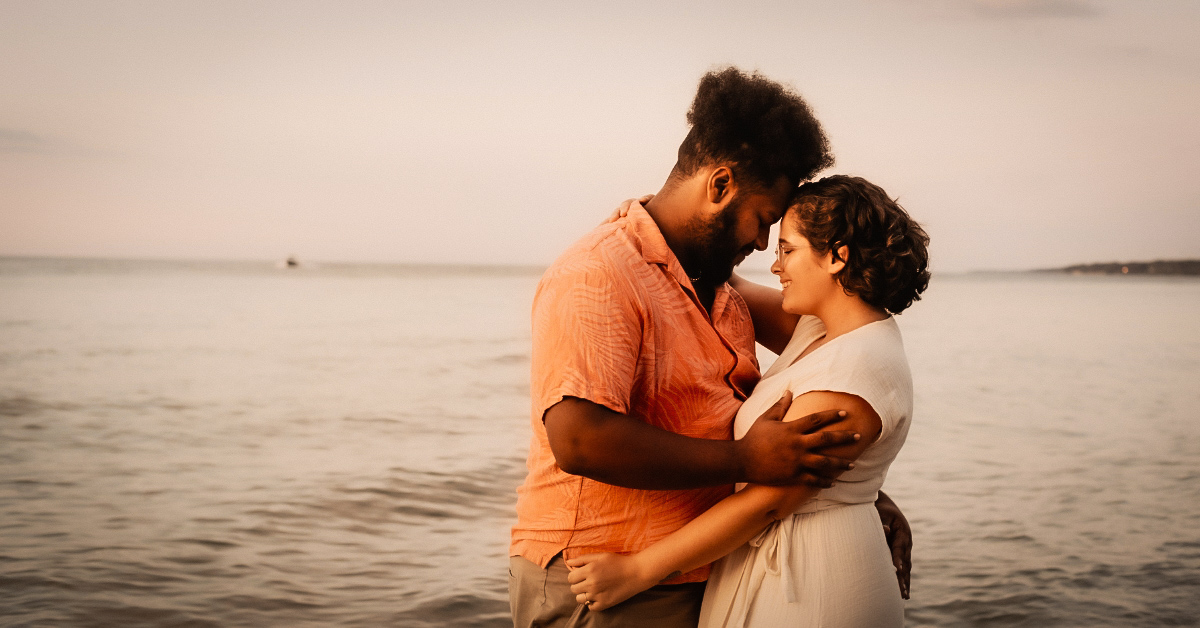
<point>232,444</point>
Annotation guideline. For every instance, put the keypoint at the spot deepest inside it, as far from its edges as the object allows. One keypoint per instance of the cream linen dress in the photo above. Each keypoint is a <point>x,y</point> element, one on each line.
<point>828,565</point>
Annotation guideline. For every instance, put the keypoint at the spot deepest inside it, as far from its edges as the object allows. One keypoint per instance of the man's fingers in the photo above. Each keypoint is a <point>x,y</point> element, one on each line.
<point>818,420</point>
<point>902,561</point>
<point>815,481</point>
<point>830,439</point>
<point>826,465</point>
<point>777,411</point>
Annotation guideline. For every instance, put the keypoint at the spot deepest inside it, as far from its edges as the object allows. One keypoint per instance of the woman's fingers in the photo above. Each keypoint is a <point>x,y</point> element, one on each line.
<point>597,606</point>
<point>592,580</point>
<point>594,601</point>
<point>580,561</point>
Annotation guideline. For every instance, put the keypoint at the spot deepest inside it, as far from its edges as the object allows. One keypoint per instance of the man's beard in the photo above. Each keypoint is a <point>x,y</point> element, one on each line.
<point>715,247</point>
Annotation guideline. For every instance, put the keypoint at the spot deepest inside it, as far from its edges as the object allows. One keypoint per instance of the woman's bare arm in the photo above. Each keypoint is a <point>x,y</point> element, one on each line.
<point>772,326</point>
<point>608,579</point>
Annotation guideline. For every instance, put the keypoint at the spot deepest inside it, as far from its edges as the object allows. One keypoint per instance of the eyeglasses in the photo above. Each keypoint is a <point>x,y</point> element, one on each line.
<point>780,251</point>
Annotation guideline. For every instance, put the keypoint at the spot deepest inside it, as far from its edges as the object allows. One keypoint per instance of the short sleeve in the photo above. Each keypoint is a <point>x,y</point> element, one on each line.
<point>870,364</point>
<point>587,336</point>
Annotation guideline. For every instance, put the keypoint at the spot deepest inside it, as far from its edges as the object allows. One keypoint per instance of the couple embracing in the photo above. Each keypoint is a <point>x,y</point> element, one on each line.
<point>648,404</point>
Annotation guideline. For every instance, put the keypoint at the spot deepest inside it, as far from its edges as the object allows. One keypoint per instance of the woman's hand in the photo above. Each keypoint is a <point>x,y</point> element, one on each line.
<point>601,581</point>
<point>623,210</point>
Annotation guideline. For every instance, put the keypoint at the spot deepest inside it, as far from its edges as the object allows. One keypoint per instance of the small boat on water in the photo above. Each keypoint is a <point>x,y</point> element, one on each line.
<point>290,262</point>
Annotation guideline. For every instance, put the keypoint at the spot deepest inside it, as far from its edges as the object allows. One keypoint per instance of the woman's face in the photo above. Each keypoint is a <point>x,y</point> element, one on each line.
<point>806,277</point>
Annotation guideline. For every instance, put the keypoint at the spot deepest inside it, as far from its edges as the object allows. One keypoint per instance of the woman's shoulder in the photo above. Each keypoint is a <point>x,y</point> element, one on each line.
<point>868,363</point>
<point>878,342</point>
<point>872,354</point>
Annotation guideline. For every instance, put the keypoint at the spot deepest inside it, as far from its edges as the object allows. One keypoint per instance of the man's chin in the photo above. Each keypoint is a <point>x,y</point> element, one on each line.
<point>743,253</point>
<point>716,274</point>
<point>718,277</point>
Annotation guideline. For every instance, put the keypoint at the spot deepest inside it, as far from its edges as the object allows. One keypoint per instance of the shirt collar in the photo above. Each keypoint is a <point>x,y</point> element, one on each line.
<point>649,236</point>
<point>655,250</point>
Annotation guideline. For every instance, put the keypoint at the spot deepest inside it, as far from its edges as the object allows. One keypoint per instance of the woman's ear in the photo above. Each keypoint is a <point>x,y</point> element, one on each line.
<point>837,259</point>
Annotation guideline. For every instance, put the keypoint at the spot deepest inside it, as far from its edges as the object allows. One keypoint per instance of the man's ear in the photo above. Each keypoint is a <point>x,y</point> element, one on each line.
<point>720,185</point>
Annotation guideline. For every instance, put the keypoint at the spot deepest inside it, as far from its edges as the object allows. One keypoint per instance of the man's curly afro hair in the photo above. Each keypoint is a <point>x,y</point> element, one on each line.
<point>764,130</point>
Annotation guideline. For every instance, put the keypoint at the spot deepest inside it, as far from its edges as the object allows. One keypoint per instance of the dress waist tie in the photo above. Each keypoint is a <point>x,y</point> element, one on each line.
<point>773,549</point>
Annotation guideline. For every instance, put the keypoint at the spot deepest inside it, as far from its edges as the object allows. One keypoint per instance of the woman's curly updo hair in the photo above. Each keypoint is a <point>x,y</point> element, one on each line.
<point>887,262</point>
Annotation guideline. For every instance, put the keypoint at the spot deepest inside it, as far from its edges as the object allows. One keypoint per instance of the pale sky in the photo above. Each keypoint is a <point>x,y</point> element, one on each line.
<point>1023,134</point>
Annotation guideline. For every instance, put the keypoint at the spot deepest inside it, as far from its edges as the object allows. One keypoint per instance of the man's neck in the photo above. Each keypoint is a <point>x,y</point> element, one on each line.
<point>672,208</point>
<point>706,294</point>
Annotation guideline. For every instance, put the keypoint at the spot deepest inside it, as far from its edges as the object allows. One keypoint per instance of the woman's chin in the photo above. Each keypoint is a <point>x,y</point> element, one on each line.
<point>792,308</point>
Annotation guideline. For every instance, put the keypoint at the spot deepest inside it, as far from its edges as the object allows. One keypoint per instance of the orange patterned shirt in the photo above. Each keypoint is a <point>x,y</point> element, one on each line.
<point>616,322</point>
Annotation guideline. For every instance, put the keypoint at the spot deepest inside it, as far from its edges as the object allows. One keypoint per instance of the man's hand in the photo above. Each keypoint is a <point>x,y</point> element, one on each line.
<point>775,452</point>
<point>899,539</point>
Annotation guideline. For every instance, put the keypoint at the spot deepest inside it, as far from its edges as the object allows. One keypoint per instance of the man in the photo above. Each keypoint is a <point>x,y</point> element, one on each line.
<point>642,354</point>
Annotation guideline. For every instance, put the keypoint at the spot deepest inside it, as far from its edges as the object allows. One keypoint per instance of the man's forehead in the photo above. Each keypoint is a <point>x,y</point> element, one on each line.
<point>778,212</point>
<point>774,209</point>
<point>767,204</point>
<point>764,209</point>
<point>781,197</point>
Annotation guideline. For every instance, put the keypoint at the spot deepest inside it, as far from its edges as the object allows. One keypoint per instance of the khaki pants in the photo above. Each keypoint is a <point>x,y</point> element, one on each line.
<point>542,598</point>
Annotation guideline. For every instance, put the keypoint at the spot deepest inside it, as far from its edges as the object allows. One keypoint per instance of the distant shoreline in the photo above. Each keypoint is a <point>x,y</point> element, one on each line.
<point>1186,267</point>
<point>70,264</point>
<point>88,265</point>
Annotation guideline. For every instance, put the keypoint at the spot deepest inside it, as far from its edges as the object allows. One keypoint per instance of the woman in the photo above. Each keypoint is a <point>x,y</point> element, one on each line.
<point>848,258</point>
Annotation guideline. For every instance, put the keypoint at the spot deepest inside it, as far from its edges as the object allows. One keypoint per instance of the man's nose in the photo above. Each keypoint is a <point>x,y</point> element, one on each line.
<point>763,239</point>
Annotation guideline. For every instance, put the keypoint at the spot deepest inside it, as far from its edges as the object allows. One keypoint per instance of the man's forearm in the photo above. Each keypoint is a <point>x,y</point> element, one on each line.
<point>597,443</point>
<point>772,326</point>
